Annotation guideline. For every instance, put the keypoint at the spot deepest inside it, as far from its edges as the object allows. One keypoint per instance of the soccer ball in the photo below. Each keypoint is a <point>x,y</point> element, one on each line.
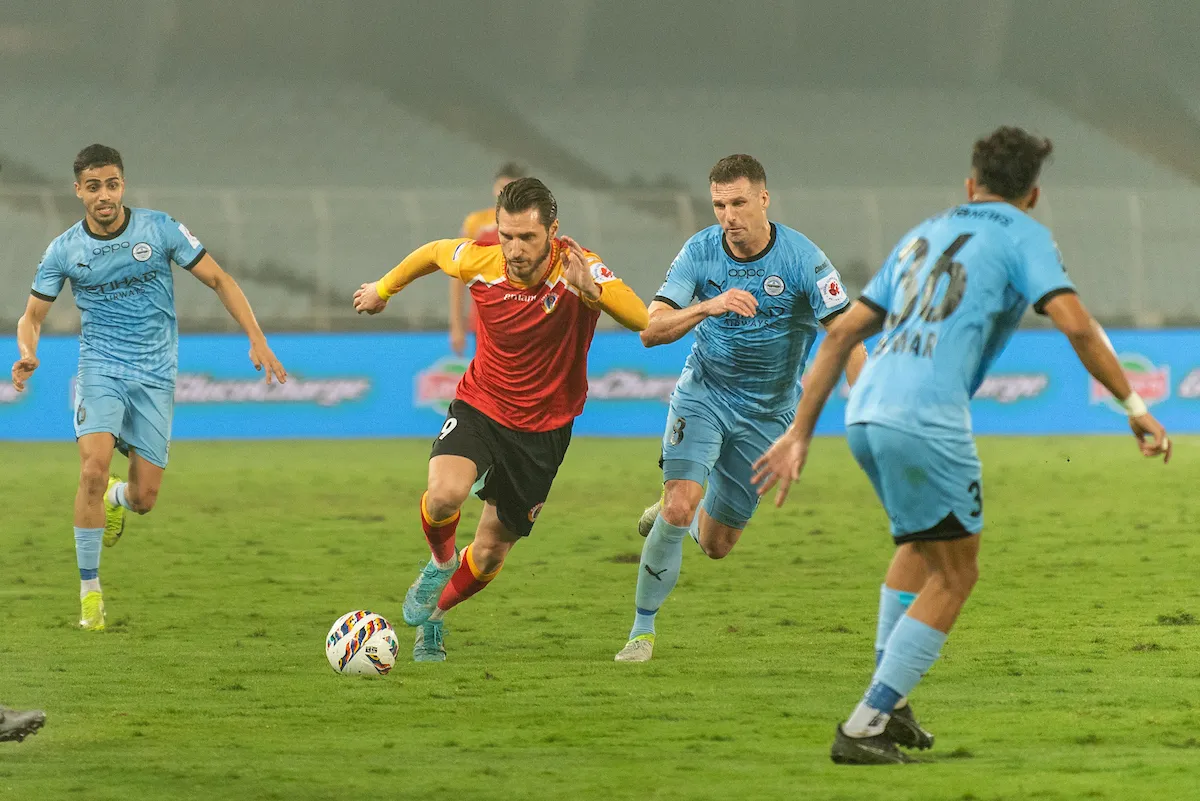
<point>362,644</point>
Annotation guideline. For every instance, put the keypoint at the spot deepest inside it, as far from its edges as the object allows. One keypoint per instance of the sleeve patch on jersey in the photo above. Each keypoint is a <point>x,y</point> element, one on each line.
<point>832,291</point>
<point>601,274</point>
<point>458,250</point>
<point>193,241</point>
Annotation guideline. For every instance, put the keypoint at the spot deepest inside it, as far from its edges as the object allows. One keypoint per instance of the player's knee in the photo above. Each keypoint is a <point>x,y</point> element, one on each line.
<point>93,477</point>
<point>716,548</point>
<point>445,497</point>
<point>960,580</point>
<point>142,499</point>
<point>487,559</point>
<point>679,510</point>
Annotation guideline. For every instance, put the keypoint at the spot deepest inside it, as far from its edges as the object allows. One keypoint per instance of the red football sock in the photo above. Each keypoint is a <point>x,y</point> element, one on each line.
<point>465,582</point>
<point>439,533</point>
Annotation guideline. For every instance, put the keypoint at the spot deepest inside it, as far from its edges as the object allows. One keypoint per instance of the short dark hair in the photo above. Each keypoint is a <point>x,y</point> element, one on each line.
<point>510,169</point>
<point>528,193</point>
<point>739,165</point>
<point>1008,160</point>
<point>98,156</point>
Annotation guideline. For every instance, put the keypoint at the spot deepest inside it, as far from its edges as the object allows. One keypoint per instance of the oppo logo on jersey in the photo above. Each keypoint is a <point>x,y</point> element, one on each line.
<point>749,272</point>
<point>520,297</point>
<point>113,248</point>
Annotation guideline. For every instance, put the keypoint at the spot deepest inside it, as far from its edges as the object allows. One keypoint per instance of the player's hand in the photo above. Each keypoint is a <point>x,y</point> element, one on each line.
<point>262,356</point>
<point>1151,437</point>
<point>367,299</point>
<point>458,342</point>
<point>577,271</point>
<point>738,301</point>
<point>22,369</point>
<point>781,465</point>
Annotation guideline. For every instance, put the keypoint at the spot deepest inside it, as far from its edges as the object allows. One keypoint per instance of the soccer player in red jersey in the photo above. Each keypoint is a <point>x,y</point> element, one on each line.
<point>538,298</point>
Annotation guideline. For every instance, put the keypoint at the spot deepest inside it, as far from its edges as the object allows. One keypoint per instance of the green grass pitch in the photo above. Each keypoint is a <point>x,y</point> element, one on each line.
<point>1072,673</point>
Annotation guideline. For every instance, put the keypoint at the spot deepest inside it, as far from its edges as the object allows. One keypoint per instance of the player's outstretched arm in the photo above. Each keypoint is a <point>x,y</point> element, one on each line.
<point>669,324</point>
<point>783,462</point>
<point>858,356</point>
<point>29,331</point>
<point>235,302</point>
<point>372,298</point>
<point>1091,345</point>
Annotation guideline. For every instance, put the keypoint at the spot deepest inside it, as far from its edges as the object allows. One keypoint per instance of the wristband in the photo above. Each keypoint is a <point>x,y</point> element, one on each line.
<point>1134,405</point>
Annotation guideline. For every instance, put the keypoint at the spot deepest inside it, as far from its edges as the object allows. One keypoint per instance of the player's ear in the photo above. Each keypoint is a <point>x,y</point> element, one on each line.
<point>554,229</point>
<point>1034,194</point>
<point>78,191</point>
<point>970,184</point>
<point>766,199</point>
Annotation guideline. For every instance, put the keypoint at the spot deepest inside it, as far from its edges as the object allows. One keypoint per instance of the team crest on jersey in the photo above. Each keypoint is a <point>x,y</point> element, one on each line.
<point>535,511</point>
<point>550,303</point>
<point>773,285</point>
<point>142,251</point>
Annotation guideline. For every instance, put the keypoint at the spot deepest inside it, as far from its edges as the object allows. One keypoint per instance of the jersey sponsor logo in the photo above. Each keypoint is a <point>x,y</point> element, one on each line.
<point>1189,389</point>
<point>774,286</point>
<point>1012,387</point>
<point>1151,381</point>
<point>523,298</point>
<point>601,274</point>
<point>458,250</point>
<point>535,511</point>
<point>747,272</point>
<point>831,291</point>
<point>124,288</point>
<point>114,247</point>
<point>142,251</point>
<point>193,241</point>
<point>550,303</point>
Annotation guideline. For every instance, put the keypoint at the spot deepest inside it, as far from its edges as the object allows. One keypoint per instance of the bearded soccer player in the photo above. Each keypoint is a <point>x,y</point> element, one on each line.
<point>947,300</point>
<point>508,429</point>
<point>760,290</point>
<point>480,226</point>
<point>118,261</point>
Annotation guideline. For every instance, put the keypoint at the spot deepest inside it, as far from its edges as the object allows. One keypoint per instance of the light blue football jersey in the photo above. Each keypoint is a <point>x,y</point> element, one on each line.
<point>954,290</point>
<point>754,363</point>
<point>125,292</point>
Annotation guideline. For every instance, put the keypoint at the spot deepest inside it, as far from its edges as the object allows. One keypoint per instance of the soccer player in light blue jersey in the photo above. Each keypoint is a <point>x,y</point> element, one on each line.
<point>947,300</point>
<point>761,289</point>
<point>118,261</point>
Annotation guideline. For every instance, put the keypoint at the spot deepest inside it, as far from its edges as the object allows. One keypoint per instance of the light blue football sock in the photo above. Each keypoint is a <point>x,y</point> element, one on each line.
<point>910,653</point>
<point>87,552</point>
<point>892,606</point>
<point>119,495</point>
<point>658,571</point>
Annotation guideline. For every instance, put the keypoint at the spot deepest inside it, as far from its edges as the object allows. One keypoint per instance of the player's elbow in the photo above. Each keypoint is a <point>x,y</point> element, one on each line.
<point>650,338</point>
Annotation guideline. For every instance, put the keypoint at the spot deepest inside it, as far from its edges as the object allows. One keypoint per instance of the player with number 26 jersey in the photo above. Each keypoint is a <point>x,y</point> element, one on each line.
<point>947,300</point>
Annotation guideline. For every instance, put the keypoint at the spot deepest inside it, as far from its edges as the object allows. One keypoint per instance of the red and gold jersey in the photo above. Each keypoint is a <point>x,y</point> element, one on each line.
<point>530,367</point>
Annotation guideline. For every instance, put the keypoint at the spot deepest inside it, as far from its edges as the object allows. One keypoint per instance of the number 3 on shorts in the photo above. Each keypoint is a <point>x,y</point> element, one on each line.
<point>447,427</point>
